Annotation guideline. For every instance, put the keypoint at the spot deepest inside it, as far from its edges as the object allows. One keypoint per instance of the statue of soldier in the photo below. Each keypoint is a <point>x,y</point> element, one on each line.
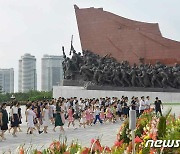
<point>64,63</point>
<point>140,78</point>
<point>97,78</point>
<point>155,78</point>
<point>124,78</point>
<point>69,69</point>
<point>176,67</point>
<point>145,79</point>
<point>164,77</point>
<point>64,68</point>
<point>133,75</point>
<point>87,73</point>
<point>176,81</point>
<point>107,73</point>
<point>116,77</point>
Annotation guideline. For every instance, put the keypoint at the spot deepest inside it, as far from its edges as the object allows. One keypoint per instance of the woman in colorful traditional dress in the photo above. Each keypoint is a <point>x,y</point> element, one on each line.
<point>51,107</point>
<point>88,116</point>
<point>83,119</point>
<point>91,115</point>
<point>30,115</point>
<point>59,119</point>
<point>102,114</point>
<point>108,114</point>
<point>45,116</point>
<point>36,122</point>
<point>70,117</point>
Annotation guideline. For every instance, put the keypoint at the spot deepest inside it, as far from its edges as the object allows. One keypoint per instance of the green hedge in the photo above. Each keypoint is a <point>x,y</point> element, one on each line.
<point>31,96</point>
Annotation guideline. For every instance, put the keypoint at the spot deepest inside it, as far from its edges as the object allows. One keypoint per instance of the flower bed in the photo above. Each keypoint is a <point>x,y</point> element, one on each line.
<point>148,127</point>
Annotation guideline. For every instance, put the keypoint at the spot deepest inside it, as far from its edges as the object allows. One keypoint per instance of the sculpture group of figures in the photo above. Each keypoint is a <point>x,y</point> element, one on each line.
<point>108,71</point>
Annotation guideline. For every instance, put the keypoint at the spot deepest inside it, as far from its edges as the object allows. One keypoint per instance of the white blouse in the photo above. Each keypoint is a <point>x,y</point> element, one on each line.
<point>14,110</point>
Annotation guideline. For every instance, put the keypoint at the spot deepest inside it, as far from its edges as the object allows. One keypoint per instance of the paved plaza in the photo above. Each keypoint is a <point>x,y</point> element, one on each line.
<point>106,132</point>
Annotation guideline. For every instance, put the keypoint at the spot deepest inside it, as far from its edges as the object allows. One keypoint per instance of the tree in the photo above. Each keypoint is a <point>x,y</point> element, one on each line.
<point>0,89</point>
<point>29,96</point>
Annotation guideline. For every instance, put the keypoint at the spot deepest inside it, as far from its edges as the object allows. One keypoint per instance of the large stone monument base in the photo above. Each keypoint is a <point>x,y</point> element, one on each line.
<point>81,92</point>
<point>91,86</point>
<point>142,89</point>
<point>78,83</point>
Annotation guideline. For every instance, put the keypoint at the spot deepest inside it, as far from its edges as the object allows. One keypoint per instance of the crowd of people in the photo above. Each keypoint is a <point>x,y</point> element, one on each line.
<point>86,112</point>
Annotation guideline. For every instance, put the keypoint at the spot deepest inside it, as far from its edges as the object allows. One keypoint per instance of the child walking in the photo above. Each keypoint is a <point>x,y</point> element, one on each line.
<point>97,115</point>
<point>102,114</point>
<point>109,114</point>
<point>83,119</point>
<point>70,117</point>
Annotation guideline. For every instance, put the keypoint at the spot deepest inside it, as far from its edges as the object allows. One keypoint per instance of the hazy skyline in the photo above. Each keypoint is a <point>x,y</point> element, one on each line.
<point>43,26</point>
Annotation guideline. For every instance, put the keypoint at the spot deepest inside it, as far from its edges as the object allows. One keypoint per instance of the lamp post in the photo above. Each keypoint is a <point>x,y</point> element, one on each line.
<point>132,127</point>
<point>13,97</point>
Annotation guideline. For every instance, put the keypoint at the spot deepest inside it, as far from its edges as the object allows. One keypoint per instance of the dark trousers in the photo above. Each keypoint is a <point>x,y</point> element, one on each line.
<point>137,113</point>
<point>97,118</point>
<point>141,112</point>
<point>159,110</point>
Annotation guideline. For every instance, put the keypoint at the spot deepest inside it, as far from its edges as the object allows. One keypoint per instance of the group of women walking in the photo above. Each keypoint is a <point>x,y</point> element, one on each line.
<point>86,112</point>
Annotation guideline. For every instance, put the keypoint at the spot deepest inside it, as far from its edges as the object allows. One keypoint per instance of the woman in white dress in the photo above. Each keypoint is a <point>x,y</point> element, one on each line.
<point>30,115</point>
<point>45,116</point>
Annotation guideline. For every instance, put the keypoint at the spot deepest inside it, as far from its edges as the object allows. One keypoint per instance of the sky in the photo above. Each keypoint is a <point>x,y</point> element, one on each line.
<point>42,27</point>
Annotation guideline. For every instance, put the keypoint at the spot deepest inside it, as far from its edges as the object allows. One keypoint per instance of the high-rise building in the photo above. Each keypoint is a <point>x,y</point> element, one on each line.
<point>52,71</point>
<point>27,73</point>
<point>7,80</point>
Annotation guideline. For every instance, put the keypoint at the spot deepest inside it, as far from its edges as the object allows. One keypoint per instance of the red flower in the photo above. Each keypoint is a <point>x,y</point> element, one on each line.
<point>107,149</point>
<point>38,152</point>
<point>151,135</point>
<point>129,148</point>
<point>66,152</point>
<point>154,136</point>
<point>21,151</point>
<point>92,141</point>
<point>85,150</point>
<point>118,143</point>
<point>55,145</point>
<point>137,140</point>
<point>96,145</point>
<point>152,151</point>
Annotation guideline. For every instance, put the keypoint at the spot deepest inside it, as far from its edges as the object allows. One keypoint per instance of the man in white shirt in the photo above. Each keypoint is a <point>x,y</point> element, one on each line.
<point>87,103</point>
<point>100,101</point>
<point>83,106</point>
<point>67,105</point>
<point>141,105</point>
<point>147,103</point>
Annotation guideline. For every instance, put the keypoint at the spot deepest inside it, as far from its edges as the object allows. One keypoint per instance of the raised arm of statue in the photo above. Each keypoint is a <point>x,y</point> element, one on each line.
<point>64,55</point>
